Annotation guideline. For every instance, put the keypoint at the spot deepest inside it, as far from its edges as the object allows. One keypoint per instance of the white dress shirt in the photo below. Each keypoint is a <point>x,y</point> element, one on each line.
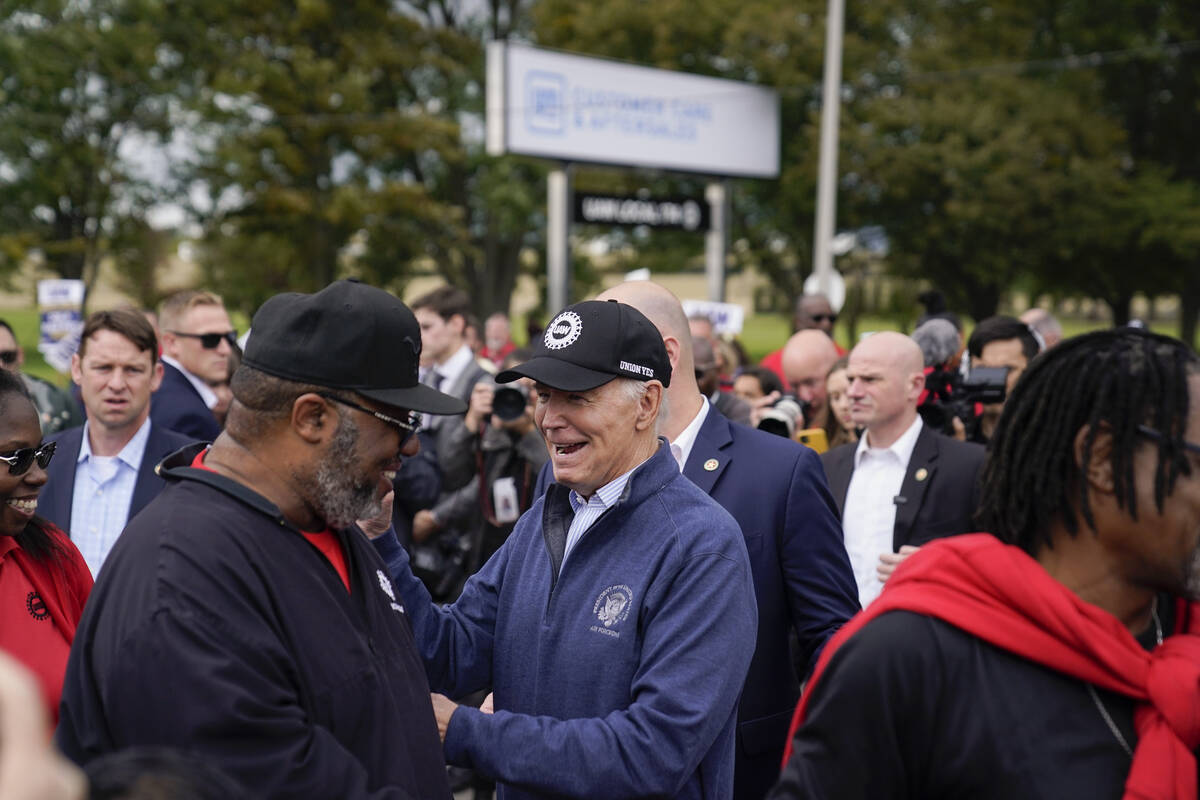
<point>448,373</point>
<point>869,518</point>
<point>103,492</point>
<point>681,448</point>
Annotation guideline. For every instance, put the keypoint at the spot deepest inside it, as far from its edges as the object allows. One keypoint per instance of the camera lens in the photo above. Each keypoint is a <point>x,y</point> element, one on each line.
<point>508,403</point>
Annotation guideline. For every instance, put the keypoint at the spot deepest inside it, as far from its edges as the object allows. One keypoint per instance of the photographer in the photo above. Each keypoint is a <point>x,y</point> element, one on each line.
<point>1000,343</point>
<point>492,455</point>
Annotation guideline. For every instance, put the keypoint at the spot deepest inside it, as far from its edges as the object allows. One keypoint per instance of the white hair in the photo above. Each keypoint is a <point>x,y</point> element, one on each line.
<point>635,390</point>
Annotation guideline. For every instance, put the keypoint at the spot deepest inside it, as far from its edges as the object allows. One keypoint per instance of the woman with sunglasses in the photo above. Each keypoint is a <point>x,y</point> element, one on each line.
<point>44,581</point>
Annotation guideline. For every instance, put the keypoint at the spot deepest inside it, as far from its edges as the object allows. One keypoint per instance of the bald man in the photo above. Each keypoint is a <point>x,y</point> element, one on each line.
<point>776,491</point>
<point>902,484</point>
<point>807,358</point>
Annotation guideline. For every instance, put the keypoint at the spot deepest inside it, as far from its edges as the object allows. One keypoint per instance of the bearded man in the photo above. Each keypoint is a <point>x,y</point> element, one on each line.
<point>241,616</point>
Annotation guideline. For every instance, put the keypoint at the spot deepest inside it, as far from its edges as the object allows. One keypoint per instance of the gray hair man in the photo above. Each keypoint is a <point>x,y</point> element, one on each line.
<point>616,623</point>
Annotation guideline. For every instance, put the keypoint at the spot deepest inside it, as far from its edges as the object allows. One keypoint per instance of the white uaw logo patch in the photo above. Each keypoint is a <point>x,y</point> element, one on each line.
<point>385,584</point>
<point>612,606</point>
<point>563,331</point>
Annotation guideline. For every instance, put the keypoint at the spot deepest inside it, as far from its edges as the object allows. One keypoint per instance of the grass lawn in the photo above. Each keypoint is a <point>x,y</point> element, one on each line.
<point>765,333</point>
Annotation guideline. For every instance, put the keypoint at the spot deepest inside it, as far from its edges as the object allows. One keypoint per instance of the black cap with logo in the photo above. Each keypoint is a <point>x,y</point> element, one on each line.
<point>590,343</point>
<point>346,336</point>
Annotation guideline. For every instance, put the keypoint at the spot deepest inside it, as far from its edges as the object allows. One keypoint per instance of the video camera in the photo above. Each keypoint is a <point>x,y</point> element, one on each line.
<point>784,417</point>
<point>950,396</point>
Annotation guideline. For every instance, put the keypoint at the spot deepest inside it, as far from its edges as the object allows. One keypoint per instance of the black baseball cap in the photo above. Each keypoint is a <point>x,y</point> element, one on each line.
<point>347,336</point>
<point>590,343</point>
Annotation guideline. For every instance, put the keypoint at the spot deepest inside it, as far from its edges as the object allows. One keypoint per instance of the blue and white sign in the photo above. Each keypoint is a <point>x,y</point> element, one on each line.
<point>725,317</point>
<point>576,108</point>
<point>60,303</point>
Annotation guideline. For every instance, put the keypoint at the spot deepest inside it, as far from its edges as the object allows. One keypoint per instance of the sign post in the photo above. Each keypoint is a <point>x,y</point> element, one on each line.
<point>717,239</point>
<point>577,109</point>
<point>558,238</point>
<point>831,104</point>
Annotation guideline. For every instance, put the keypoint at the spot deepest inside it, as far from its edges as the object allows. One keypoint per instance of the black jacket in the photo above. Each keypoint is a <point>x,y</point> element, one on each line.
<point>217,628</point>
<point>177,406</point>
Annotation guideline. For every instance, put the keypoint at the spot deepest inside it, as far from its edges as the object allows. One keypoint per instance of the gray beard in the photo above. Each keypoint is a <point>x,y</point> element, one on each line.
<point>338,495</point>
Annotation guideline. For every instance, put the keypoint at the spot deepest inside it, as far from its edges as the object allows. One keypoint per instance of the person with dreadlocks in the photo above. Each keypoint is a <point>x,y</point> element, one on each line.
<point>1059,654</point>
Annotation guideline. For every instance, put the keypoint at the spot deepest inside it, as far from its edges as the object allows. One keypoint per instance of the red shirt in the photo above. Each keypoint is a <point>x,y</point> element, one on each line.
<point>325,541</point>
<point>28,633</point>
<point>32,626</point>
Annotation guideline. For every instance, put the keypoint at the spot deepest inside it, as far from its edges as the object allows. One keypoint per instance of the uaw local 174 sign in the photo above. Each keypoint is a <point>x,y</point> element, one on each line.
<point>575,108</point>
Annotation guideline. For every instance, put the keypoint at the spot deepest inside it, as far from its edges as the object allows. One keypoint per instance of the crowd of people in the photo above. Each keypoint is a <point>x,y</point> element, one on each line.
<point>376,550</point>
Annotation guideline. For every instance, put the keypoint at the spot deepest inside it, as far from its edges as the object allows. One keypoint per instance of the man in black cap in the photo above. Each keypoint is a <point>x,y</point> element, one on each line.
<point>617,622</point>
<point>241,616</point>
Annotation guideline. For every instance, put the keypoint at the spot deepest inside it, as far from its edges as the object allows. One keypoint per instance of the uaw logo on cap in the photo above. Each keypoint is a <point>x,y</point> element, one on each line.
<point>611,608</point>
<point>563,331</point>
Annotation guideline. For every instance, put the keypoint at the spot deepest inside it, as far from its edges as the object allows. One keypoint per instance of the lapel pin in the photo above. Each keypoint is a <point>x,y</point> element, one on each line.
<point>922,474</point>
<point>710,465</point>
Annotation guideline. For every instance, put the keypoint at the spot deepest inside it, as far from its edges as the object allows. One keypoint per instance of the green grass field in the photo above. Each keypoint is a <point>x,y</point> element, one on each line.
<point>765,333</point>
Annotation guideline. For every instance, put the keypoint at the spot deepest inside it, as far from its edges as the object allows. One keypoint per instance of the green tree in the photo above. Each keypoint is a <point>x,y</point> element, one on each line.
<point>339,138</point>
<point>1148,70</point>
<point>82,88</point>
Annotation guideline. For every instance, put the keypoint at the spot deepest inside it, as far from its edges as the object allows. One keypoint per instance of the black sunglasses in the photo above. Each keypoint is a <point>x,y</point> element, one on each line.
<point>210,341</point>
<point>9,357</point>
<point>19,461</point>
<point>824,317</point>
<point>1150,433</point>
<point>408,428</point>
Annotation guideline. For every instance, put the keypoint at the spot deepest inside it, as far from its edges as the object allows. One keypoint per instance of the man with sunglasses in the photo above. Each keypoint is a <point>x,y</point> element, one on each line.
<point>241,616</point>
<point>57,411</point>
<point>197,340</point>
<point>812,312</point>
<point>105,471</point>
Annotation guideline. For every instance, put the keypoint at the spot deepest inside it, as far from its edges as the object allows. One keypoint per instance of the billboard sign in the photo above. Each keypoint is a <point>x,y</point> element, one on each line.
<point>576,108</point>
<point>676,213</point>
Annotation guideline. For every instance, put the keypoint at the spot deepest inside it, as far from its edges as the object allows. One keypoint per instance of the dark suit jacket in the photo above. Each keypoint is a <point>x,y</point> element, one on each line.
<point>940,489</point>
<point>56,498</point>
<point>803,581</point>
<point>732,407</point>
<point>177,406</point>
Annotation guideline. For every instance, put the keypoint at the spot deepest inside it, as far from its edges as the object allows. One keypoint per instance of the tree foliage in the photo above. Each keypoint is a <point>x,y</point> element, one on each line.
<point>79,84</point>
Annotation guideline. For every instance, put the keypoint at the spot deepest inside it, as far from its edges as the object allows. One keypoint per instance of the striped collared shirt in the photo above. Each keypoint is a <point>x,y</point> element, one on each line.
<point>103,492</point>
<point>588,511</point>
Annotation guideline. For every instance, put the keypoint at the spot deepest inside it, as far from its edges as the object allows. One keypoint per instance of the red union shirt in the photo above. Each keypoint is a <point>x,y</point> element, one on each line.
<point>325,541</point>
<point>27,631</point>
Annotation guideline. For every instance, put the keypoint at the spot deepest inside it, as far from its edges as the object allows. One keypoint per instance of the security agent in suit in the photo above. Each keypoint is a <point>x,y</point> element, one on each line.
<point>197,341</point>
<point>902,484</point>
<point>775,490</point>
<point>116,369</point>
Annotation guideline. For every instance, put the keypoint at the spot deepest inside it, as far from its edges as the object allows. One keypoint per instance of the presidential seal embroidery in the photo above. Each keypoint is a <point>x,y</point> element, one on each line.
<point>611,609</point>
<point>563,331</point>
